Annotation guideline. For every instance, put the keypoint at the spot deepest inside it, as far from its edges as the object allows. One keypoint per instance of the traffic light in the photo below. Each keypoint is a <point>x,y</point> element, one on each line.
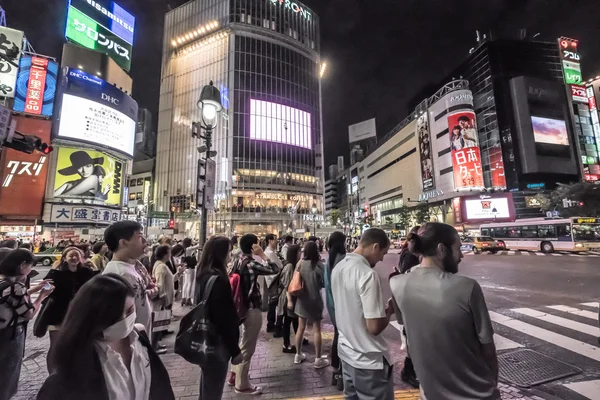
<point>27,144</point>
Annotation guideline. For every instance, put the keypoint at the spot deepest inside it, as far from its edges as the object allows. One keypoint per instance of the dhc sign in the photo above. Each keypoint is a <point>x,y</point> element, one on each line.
<point>295,7</point>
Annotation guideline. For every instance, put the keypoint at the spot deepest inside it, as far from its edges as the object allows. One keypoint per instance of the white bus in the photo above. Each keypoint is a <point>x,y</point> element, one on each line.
<point>547,234</point>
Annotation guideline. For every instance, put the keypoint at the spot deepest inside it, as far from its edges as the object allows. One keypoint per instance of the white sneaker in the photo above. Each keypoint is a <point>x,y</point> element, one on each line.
<point>321,363</point>
<point>298,358</point>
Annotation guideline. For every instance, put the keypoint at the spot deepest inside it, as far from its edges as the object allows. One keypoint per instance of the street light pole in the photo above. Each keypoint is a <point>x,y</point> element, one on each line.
<point>204,217</point>
<point>314,211</point>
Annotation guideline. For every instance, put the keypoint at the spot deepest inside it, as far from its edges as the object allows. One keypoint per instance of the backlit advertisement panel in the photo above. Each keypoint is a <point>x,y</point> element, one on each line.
<point>88,174</point>
<point>274,122</point>
<point>103,26</point>
<point>497,207</point>
<point>497,167</point>
<point>424,136</point>
<point>572,72</point>
<point>36,86</point>
<point>579,93</point>
<point>466,156</point>
<point>23,176</point>
<point>96,112</point>
<point>11,43</point>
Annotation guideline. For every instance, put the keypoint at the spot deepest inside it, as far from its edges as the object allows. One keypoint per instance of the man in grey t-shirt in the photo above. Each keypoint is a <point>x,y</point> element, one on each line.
<point>447,323</point>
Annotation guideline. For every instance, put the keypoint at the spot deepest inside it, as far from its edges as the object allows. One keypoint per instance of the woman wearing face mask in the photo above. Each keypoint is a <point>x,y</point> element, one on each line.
<point>69,276</point>
<point>16,308</point>
<point>100,352</point>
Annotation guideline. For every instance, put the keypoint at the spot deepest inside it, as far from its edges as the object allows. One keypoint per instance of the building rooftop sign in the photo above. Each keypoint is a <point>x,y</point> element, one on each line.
<point>295,7</point>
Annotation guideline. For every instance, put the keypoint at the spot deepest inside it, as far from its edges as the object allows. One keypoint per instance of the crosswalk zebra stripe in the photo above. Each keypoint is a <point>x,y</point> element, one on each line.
<point>510,253</point>
<point>560,321</point>
<point>503,343</point>
<point>565,342</point>
<point>576,311</point>
<point>592,304</point>
<point>537,253</point>
<point>525,253</point>
<point>589,389</point>
<point>556,255</point>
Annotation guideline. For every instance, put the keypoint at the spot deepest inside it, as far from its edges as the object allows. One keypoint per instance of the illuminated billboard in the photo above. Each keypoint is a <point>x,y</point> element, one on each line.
<point>426,156</point>
<point>88,174</point>
<point>487,208</point>
<point>103,26</point>
<point>466,156</point>
<point>96,112</point>
<point>550,131</point>
<point>277,123</point>
<point>36,86</point>
<point>11,43</point>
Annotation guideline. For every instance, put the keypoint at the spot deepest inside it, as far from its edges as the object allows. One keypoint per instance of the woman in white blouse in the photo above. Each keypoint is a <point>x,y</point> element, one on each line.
<point>100,353</point>
<point>164,278</point>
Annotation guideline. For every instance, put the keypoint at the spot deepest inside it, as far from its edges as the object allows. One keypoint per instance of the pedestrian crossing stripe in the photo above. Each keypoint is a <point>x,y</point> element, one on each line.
<point>589,389</point>
<point>577,311</point>
<point>560,321</point>
<point>537,253</point>
<point>398,395</point>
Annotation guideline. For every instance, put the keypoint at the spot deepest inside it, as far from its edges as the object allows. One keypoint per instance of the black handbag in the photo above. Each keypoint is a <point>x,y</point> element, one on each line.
<point>198,341</point>
<point>40,326</point>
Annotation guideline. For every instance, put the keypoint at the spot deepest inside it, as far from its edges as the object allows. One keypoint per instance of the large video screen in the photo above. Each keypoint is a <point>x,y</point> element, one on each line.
<point>550,131</point>
<point>487,209</point>
<point>274,122</point>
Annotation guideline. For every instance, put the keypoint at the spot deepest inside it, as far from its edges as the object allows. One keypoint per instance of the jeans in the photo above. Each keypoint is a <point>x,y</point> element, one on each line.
<point>212,380</point>
<point>252,325</point>
<point>368,384</point>
<point>287,323</point>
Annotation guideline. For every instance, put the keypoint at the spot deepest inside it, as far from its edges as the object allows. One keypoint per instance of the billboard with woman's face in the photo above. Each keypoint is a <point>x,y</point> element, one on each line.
<point>88,174</point>
<point>466,156</point>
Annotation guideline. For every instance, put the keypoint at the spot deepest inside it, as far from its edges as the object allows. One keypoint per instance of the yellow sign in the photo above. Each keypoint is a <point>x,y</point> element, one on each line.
<point>586,220</point>
<point>88,174</point>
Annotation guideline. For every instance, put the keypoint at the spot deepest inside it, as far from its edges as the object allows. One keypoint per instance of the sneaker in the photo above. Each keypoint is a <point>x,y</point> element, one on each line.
<point>289,350</point>
<point>321,363</point>
<point>298,358</point>
<point>251,391</point>
<point>231,380</point>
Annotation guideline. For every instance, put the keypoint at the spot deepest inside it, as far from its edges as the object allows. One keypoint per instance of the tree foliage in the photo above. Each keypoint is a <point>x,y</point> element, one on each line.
<point>404,217</point>
<point>422,214</point>
<point>334,217</point>
<point>584,198</point>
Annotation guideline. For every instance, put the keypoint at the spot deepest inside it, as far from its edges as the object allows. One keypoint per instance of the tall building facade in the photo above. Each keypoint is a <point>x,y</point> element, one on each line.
<point>263,55</point>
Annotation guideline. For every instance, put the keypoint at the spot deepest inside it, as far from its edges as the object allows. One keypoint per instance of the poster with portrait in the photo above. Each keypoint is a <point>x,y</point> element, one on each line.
<point>466,155</point>
<point>426,158</point>
<point>11,43</point>
<point>88,174</point>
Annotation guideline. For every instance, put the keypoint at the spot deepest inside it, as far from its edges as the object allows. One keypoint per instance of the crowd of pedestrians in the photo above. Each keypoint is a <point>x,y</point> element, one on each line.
<point>99,302</point>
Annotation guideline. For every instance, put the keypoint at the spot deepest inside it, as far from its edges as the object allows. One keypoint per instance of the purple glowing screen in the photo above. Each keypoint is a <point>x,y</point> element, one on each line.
<point>274,122</point>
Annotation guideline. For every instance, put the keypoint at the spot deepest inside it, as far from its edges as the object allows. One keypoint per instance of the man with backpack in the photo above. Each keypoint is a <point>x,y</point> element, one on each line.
<point>247,299</point>
<point>272,283</point>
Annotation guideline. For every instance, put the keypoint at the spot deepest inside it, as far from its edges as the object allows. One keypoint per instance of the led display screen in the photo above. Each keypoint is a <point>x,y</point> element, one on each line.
<point>274,122</point>
<point>550,131</point>
<point>488,209</point>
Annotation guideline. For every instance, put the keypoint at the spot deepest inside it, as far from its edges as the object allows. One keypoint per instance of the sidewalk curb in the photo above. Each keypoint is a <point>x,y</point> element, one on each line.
<point>398,394</point>
<point>540,394</point>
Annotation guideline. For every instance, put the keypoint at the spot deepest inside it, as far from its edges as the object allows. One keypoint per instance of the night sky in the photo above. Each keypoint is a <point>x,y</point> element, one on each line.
<point>380,53</point>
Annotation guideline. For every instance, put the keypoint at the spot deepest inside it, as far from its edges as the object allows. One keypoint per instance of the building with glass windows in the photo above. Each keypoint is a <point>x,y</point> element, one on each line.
<point>263,55</point>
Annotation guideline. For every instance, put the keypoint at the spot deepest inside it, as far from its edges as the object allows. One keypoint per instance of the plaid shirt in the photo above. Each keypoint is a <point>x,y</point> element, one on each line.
<point>250,274</point>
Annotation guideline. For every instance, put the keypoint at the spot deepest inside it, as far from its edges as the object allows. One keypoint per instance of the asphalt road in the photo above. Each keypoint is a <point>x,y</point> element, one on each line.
<point>536,303</point>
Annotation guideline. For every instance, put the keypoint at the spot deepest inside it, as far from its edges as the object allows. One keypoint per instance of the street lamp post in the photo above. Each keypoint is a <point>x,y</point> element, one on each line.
<point>314,212</point>
<point>210,106</point>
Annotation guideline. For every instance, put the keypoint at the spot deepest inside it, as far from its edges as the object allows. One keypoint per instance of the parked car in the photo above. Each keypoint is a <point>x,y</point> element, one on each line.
<point>479,244</point>
<point>47,257</point>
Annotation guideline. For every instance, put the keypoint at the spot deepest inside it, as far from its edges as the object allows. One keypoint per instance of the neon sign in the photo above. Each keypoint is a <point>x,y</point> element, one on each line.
<point>295,7</point>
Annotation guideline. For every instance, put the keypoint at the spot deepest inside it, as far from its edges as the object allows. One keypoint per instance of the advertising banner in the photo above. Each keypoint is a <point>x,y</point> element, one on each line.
<point>63,213</point>
<point>88,174</point>
<point>572,72</point>
<point>93,111</point>
<point>497,167</point>
<point>102,26</point>
<point>362,130</point>
<point>36,86</point>
<point>23,176</point>
<point>11,43</point>
<point>579,93</point>
<point>499,208</point>
<point>466,157</point>
<point>211,169</point>
<point>424,137</point>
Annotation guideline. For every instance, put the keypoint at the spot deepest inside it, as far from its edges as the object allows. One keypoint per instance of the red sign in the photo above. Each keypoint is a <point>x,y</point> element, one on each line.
<point>34,99</point>
<point>456,210</point>
<point>23,176</point>
<point>497,168</point>
<point>466,156</point>
<point>592,177</point>
<point>579,93</point>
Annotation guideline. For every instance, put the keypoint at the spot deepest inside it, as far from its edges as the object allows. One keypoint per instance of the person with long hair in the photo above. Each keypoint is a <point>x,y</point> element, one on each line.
<point>336,245</point>
<point>164,278</point>
<point>309,305</point>
<point>16,309</point>
<point>68,277</point>
<point>221,312</point>
<point>289,318</point>
<point>189,275</point>
<point>101,353</point>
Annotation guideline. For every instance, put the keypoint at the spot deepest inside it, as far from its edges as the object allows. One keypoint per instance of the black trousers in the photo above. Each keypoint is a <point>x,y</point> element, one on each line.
<point>272,315</point>
<point>287,323</point>
<point>335,359</point>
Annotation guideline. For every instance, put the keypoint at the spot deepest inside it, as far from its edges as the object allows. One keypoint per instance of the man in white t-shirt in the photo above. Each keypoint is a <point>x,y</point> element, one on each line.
<point>126,241</point>
<point>361,316</point>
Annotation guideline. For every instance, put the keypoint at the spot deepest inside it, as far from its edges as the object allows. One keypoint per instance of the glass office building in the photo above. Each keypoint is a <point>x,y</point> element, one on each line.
<point>263,55</point>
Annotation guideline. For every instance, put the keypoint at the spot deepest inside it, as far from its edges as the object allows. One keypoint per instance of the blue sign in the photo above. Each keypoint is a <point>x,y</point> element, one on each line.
<point>46,88</point>
<point>536,186</point>
<point>110,15</point>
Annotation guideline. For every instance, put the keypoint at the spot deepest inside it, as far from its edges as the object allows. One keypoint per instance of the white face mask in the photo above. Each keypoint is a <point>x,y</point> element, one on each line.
<point>120,329</point>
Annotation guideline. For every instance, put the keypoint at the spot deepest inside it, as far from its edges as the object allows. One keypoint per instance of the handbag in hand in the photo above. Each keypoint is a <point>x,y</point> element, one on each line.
<point>198,341</point>
<point>296,287</point>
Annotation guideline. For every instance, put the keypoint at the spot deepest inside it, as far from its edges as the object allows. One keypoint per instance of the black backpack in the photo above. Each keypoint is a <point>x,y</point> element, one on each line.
<point>198,341</point>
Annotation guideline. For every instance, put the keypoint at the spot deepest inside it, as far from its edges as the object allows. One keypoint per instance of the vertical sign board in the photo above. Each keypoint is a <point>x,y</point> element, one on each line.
<point>424,136</point>
<point>211,168</point>
<point>36,86</point>
<point>571,63</point>
<point>466,156</point>
<point>11,43</point>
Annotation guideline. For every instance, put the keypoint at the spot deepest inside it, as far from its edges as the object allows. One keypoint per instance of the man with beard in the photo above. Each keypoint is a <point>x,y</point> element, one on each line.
<point>447,323</point>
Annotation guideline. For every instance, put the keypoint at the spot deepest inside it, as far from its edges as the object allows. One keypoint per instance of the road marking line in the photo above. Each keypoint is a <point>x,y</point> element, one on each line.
<point>556,255</point>
<point>589,389</point>
<point>503,343</point>
<point>592,304</point>
<point>525,253</point>
<point>539,254</point>
<point>576,311</point>
<point>565,342</point>
<point>560,321</point>
<point>511,253</point>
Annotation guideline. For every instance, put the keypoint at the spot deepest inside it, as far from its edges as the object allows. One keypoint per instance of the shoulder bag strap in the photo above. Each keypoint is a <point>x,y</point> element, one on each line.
<point>208,288</point>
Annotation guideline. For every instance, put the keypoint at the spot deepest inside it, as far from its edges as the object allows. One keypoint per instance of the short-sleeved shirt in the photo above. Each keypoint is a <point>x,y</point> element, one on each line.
<point>446,321</point>
<point>357,296</point>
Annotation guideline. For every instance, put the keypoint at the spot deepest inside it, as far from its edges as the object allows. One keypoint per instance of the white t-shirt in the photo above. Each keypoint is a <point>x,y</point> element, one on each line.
<point>143,308</point>
<point>357,296</point>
